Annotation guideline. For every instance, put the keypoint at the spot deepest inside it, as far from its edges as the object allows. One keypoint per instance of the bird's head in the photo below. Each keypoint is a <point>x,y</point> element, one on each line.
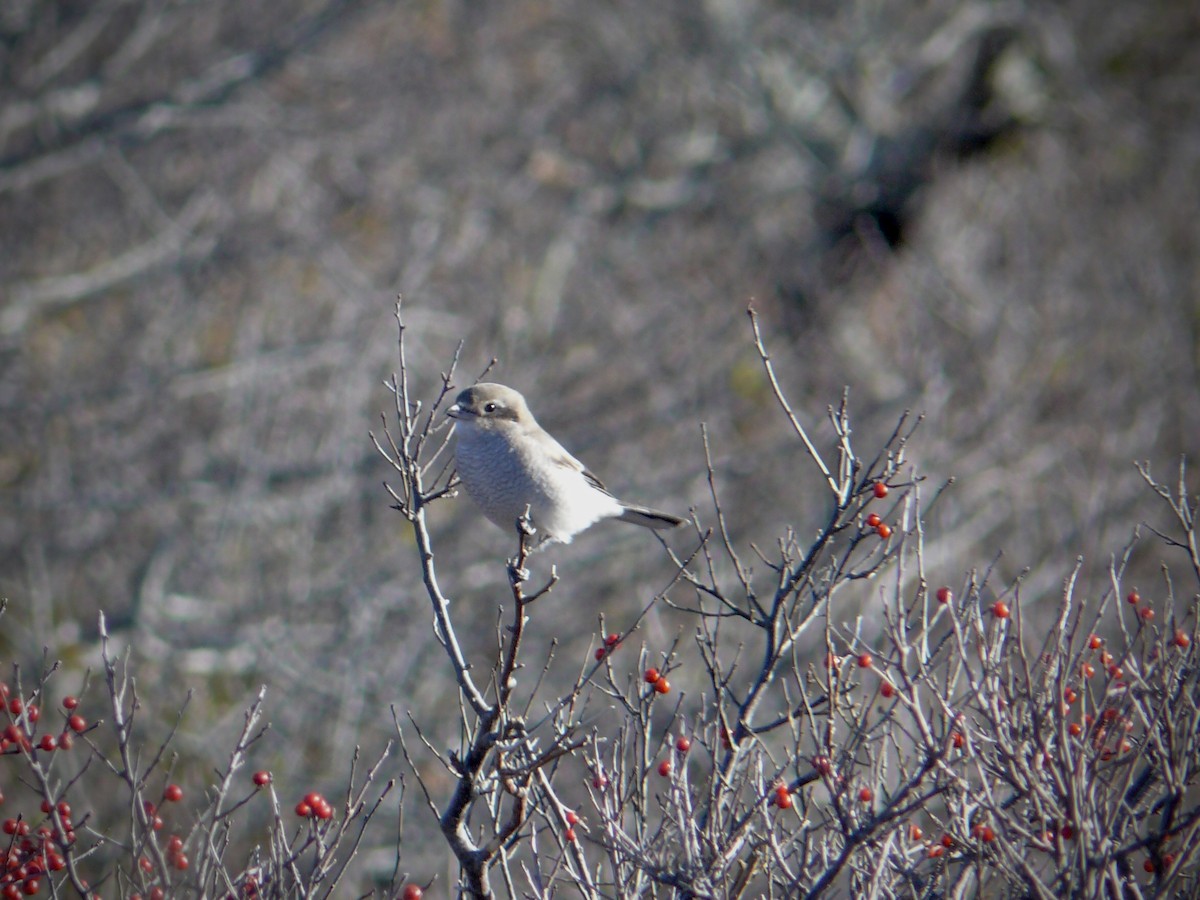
<point>490,407</point>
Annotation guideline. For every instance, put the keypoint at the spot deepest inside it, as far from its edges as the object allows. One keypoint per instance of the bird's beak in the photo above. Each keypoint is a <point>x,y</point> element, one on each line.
<point>455,412</point>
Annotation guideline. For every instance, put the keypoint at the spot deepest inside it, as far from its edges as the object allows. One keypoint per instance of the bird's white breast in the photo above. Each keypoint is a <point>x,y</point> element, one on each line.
<point>504,473</point>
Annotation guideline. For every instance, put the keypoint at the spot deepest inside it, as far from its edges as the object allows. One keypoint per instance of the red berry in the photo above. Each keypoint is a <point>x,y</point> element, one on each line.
<point>662,686</point>
<point>313,799</point>
<point>1068,832</point>
<point>180,861</point>
<point>1095,642</point>
<point>303,810</point>
<point>1146,613</point>
<point>262,778</point>
<point>48,742</point>
<point>1134,598</point>
<point>1000,610</point>
<point>570,835</point>
<point>600,653</point>
<point>884,530</point>
<point>783,798</point>
<point>31,887</point>
<point>175,844</point>
<point>70,702</point>
<point>881,490</point>
<point>1181,638</point>
<point>599,781</point>
<point>886,689</point>
<point>612,640</point>
<point>66,740</point>
<point>947,841</point>
<point>864,661</point>
<point>145,864</point>
<point>33,713</point>
<point>1088,670</point>
<point>866,795</point>
<point>411,892</point>
<point>664,768</point>
<point>572,817</point>
<point>957,740</point>
<point>944,595</point>
<point>173,793</point>
<point>157,893</point>
<point>914,832</point>
<point>324,811</point>
<point>1075,729</point>
<point>683,744</point>
<point>77,722</point>
<point>15,706</point>
<point>935,851</point>
<point>873,520</point>
<point>1070,696</point>
<point>652,676</point>
<point>1148,865</point>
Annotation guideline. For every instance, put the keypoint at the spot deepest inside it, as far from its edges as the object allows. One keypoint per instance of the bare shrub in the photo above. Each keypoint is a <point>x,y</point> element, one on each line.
<point>775,746</point>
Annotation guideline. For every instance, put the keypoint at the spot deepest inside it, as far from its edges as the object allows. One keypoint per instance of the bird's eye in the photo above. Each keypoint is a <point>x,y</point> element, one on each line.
<point>489,407</point>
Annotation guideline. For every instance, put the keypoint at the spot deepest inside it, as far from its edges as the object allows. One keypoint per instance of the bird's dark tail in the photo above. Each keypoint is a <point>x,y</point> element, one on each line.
<point>649,518</point>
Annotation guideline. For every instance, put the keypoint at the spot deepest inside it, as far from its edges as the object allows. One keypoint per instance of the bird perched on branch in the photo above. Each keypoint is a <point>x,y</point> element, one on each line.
<point>508,463</point>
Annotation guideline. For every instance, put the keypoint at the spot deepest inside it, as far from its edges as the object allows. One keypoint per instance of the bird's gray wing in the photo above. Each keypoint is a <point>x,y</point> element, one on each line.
<point>560,456</point>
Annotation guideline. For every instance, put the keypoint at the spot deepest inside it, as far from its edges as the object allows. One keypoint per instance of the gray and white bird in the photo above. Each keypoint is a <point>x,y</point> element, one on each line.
<point>508,462</point>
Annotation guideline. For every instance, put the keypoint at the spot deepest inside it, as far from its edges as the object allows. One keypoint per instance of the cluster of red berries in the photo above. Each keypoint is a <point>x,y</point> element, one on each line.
<point>1168,859</point>
<point>610,644</point>
<point>314,806</point>
<point>882,528</point>
<point>572,819</point>
<point>1146,614</point>
<point>658,680</point>
<point>175,855</point>
<point>20,732</point>
<point>683,744</point>
<point>982,832</point>
<point>32,853</point>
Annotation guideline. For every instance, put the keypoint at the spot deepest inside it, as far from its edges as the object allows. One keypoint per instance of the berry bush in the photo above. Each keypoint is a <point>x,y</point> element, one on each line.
<point>941,741</point>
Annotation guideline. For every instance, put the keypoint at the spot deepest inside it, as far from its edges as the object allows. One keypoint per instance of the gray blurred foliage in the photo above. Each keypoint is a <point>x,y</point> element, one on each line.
<point>980,211</point>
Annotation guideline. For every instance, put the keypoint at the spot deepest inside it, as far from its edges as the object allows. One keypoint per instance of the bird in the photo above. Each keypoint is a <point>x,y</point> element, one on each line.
<point>510,464</point>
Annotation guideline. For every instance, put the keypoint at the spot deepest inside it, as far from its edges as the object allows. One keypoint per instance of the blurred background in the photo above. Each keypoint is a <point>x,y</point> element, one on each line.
<point>983,212</point>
